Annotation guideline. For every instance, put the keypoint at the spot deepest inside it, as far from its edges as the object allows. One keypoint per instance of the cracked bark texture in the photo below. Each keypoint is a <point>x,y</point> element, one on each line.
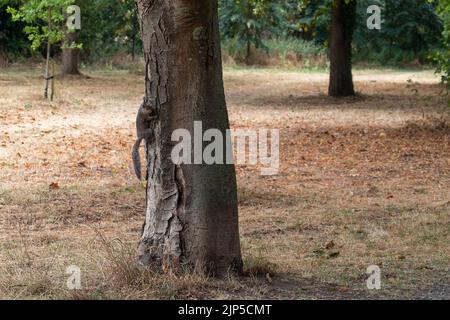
<point>191,210</point>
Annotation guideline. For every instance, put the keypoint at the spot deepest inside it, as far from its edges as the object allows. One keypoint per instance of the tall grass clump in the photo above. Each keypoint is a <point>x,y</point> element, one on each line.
<point>277,52</point>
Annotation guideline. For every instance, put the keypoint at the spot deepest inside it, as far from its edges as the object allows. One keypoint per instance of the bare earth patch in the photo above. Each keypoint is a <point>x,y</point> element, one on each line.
<point>363,181</point>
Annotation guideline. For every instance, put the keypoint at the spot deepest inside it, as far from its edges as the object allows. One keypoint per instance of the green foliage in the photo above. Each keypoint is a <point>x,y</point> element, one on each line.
<point>442,57</point>
<point>410,31</point>
<point>316,20</point>
<point>34,14</point>
<point>302,48</point>
<point>12,39</point>
<point>108,26</point>
<point>250,21</point>
<point>283,49</point>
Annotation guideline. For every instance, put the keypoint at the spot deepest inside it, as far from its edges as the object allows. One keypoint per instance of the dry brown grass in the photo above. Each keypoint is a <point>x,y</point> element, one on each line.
<point>363,181</point>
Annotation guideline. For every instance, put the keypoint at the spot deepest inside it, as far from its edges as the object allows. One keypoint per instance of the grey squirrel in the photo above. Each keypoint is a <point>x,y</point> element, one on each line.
<point>145,115</point>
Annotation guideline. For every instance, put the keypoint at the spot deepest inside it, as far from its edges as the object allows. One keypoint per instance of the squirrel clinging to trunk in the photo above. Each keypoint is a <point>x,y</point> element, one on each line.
<point>145,115</point>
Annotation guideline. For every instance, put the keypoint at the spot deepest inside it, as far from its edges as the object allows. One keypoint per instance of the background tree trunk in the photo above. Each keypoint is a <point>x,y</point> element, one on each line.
<point>191,210</point>
<point>133,47</point>
<point>47,60</point>
<point>70,55</point>
<point>342,24</point>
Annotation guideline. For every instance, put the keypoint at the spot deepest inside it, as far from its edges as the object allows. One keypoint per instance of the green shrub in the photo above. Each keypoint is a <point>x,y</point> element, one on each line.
<point>280,51</point>
<point>442,57</point>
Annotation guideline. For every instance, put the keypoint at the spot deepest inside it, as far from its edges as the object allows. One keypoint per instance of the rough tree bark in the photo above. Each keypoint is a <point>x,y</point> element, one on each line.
<point>191,210</point>
<point>70,55</point>
<point>342,25</point>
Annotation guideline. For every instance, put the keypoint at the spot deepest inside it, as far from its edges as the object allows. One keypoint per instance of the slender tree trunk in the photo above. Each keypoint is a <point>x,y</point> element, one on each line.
<point>135,32</point>
<point>247,35</point>
<point>52,93</point>
<point>342,24</point>
<point>248,53</point>
<point>70,55</point>
<point>47,60</point>
<point>133,48</point>
<point>191,210</point>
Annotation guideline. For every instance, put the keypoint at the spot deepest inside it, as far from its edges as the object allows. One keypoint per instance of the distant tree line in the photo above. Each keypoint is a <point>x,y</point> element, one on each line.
<point>108,26</point>
<point>411,29</point>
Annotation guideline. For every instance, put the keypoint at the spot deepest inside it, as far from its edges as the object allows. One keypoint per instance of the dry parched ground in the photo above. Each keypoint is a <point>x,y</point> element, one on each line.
<point>363,181</point>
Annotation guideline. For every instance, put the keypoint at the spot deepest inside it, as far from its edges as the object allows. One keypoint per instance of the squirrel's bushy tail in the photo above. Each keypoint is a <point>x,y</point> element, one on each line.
<point>137,159</point>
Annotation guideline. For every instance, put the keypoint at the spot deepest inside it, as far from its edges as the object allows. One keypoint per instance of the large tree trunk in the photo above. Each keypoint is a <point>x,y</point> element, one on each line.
<point>342,24</point>
<point>191,210</point>
<point>70,54</point>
